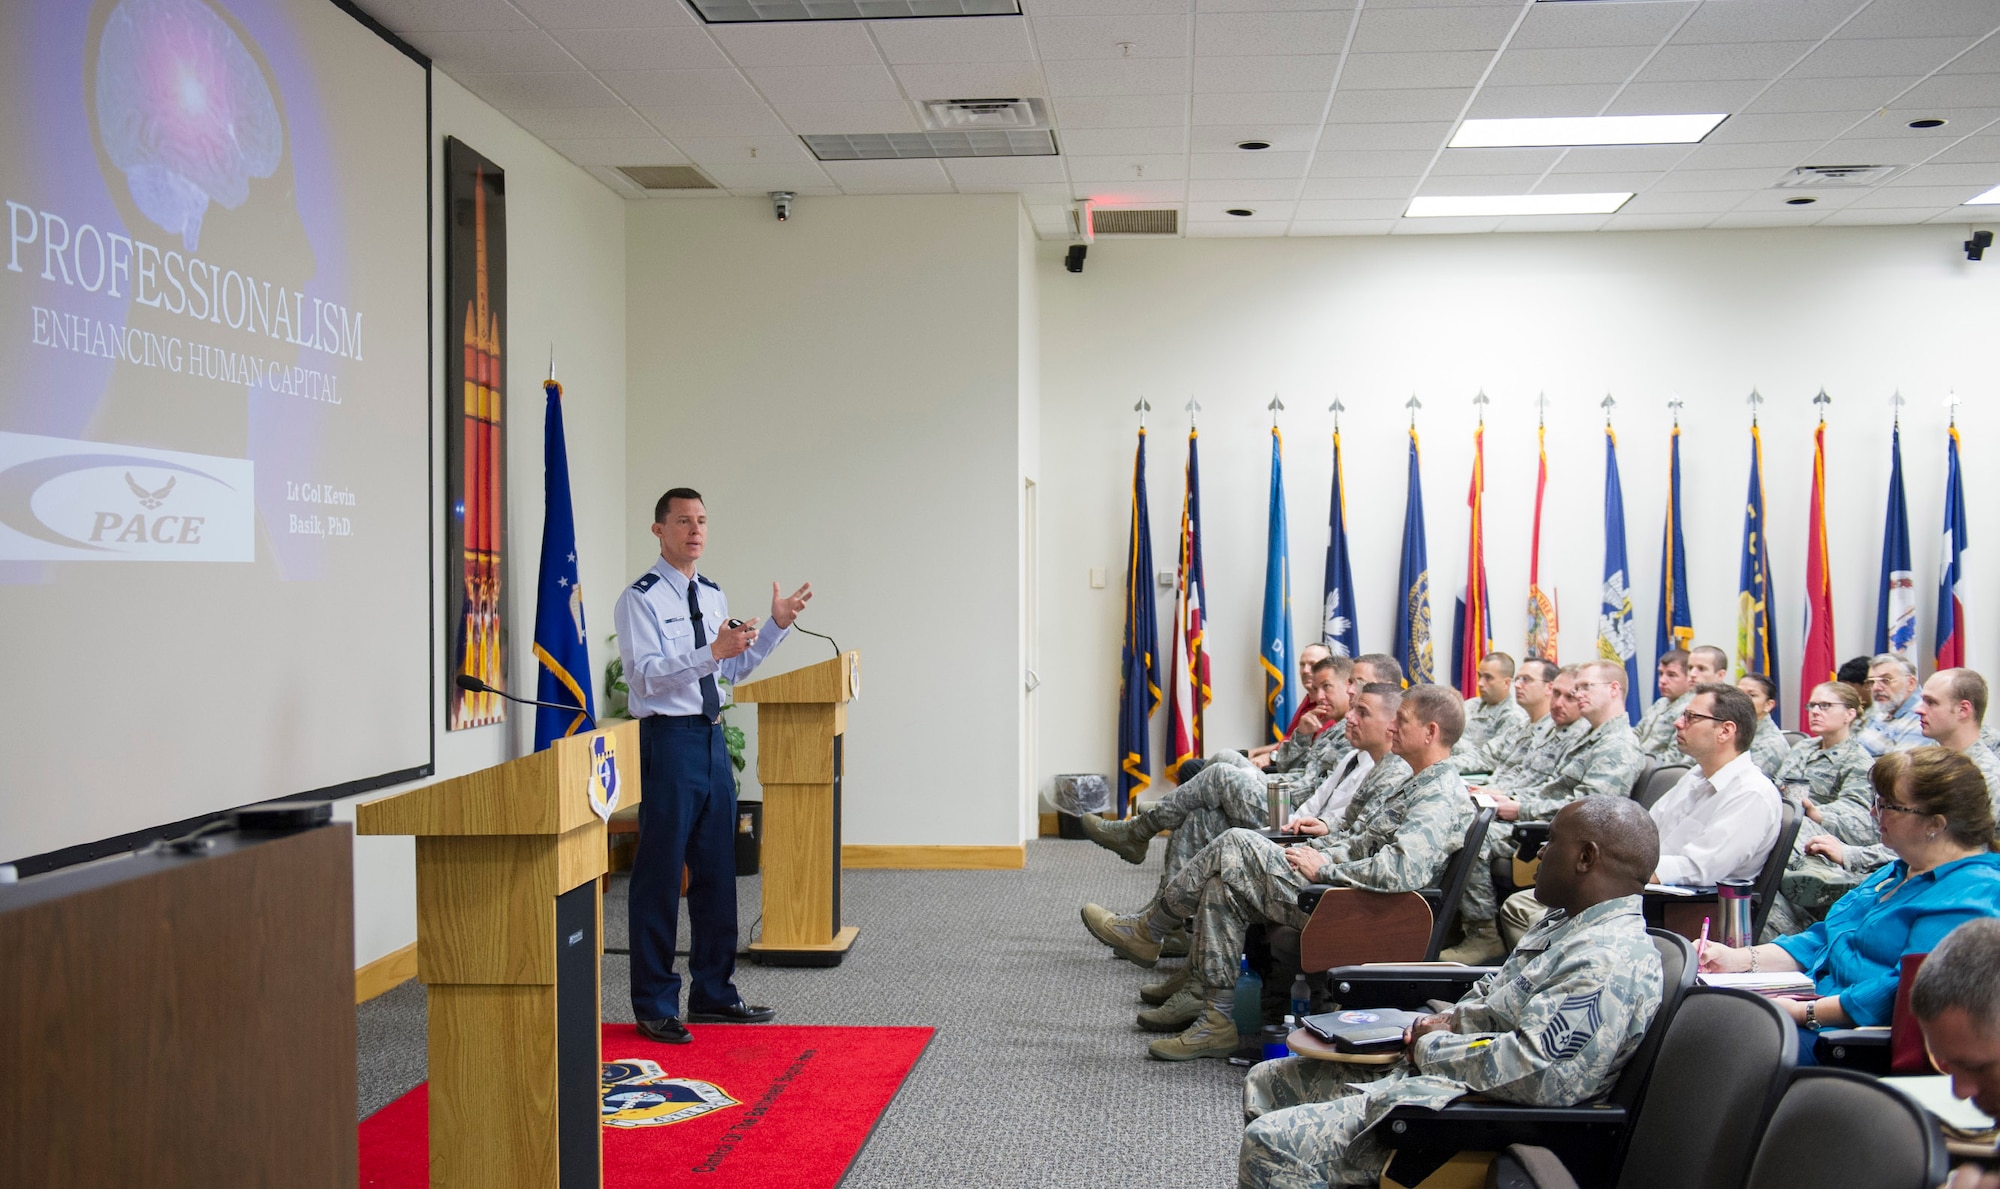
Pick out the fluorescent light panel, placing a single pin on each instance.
(1990, 198)
(1566, 131)
(729, 12)
(1453, 206)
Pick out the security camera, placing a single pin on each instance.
(1975, 248)
(1073, 261)
(781, 201)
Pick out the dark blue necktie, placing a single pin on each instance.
(711, 696)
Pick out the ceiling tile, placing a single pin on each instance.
(1953, 90)
(973, 80)
(1981, 176)
(1832, 94)
(581, 122)
(1503, 183)
(1912, 196)
(1782, 154)
(1622, 158)
(1247, 165)
(1626, 222)
(662, 88)
(1410, 30)
(573, 88)
(879, 116)
(1264, 211)
(423, 16)
(1152, 194)
(1051, 222)
(1267, 107)
(1280, 5)
(1367, 163)
(731, 119)
(778, 175)
(798, 43)
(1974, 149)
(1235, 229)
(1496, 161)
(1670, 202)
(1654, 99)
(1548, 223)
(1596, 183)
(1444, 226)
(1802, 125)
(1124, 76)
(983, 39)
(1105, 141)
(1797, 216)
(1760, 60)
(1887, 55)
(672, 48)
(1772, 20)
(1091, 38)
(1828, 198)
(1128, 168)
(1249, 34)
(826, 84)
(1283, 138)
(1120, 111)
(1004, 171)
(1507, 103)
(1959, 121)
(1384, 136)
(1558, 26)
(1303, 72)
(1457, 68)
(496, 52)
(1240, 190)
(1352, 208)
(1551, 67)
(1397, 188)
(1719, 179)
(1864, 217)
(1924, 18)
(1089, 8)
(1381, 107)
(1983, 58)
(1302, 228)
(1849, 150)
(1036, 191)
(620, 151)
(888, 177)
(708, 151)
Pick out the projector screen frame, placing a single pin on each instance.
(139, 839)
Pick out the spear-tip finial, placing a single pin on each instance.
(1193, 407)
(552, 361)
(1674, 405)
(1413, 404)
(1821, 402)
(1480, 402)
(1607, 404)
(1951, 402)
(1896, 403)
(1142, 408)
(1336, 408)
(1276, 406)
(1542, 407)
(1756, 398)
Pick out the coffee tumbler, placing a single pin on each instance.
(1734, 895)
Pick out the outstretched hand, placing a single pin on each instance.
(784, 610)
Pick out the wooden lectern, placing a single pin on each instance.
(509, 929)
(801, 725)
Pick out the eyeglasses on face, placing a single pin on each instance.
(1879, 806)
(1581, 686)
(1688, 715)
(1823, 707)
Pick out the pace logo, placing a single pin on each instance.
(638, 1093)
(64, 500)
(603, 776)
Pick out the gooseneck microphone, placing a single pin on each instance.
(471, 684)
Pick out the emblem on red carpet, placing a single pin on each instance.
(639, 1093)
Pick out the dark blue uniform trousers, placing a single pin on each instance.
(687, 816)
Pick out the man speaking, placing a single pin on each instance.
(675, 636)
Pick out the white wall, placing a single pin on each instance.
(1706, 315)
(844, 390)
(566, 286)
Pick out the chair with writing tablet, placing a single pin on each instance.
(1684, 912)
(1350, 925)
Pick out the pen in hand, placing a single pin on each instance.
(1701, 945)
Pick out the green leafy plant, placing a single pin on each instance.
(617, 702)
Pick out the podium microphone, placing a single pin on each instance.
(471, 684)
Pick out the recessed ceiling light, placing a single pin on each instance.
(1990, 198)
(1445, 206)
(1253, 145)
(1927, 123)
(1241, 212)
(1564, 131)
(1800, 201)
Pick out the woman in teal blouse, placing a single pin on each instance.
(1935, 814)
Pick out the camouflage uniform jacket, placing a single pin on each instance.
(1769, 747)
(1400, 840)
(1535, 763)
(1385, 777)
(1836, 780)
(1868, 858)
(1605, 762)
(1328, 748)
(1893, 730)
(1656, 729)
(1483, 723)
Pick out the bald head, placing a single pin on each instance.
(1623, 830)
(1599, 848)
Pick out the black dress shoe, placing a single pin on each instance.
(738, 1012)
(669, 1031)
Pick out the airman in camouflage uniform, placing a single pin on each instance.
(1835, 780)
(1494, 710)
(1769, 749)
(1604, 762)
(1655, 731)
(1553, 1027)
(1863, 859)
(1537, 753)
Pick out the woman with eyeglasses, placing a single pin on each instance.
(1827, 778)
(1934, 813)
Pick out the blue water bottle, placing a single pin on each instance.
(1249, 1009)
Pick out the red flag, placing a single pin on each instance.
(1188, 691)
(1475, 634)
(1819, 664)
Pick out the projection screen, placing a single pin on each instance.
(214, 417)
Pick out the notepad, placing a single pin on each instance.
(1670, 889)
(1933, 1093)
(1763, 982)
(1370, 1030)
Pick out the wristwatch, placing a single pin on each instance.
(1812, 1014)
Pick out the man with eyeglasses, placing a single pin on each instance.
(1718, 823)
(1656, 726)
(1893, 724)
(1494, 711)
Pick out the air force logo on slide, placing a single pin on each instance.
(603, 776)
(640, 1094)
(63, 500)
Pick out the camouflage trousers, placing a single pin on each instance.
(1236, 881)
(1304, 1125)
(1229, 792)
(1478, 904)
(1808, 888)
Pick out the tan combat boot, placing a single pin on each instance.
(1176, 944)
(1211, 1035)
(1182, 1009)
(1157, 993)
(1128, 935)
(1127, 839)
(1482, 946)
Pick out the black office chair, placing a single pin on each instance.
(1794, 738)
(1658, 783)
(1444, 899)
(1649, 786)
(1763, 892)
(1692, 1119)
(1886, 1141)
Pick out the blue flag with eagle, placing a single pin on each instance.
(1274, 654)
(1413, 582)
(562, 650)
(1617, 637)
(1337, 626)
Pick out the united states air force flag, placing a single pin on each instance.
(561, 647)
(1617, 640)
(1274, 654)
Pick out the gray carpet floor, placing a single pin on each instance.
(1037, 1075)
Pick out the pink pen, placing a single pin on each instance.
(1701, 946)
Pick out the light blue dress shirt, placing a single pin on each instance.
(1898, 730)
(663, 668)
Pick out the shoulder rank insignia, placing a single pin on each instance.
(646, 582)
(703, 579)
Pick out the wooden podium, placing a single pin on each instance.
(509, 933)
(801, 725)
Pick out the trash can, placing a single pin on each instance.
(749, 836)
(1076, 794)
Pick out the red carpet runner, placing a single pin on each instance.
(746, 1106)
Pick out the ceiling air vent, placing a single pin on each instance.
(904, 146)
(955, 114)
(1815, 176)
(1167, 222)
(667, 177)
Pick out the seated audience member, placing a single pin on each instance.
(1494, 710)
(1956, 1000)
(1827, 777)
(1399, 842)
(1551, 1027)
(1719, 822)
(1707, 663)
(1938, 820)
(1291, 749)
(1525, 756)
(1656, 726)
(1769, 748)
(1333, 692)
(1892, 725)
(1854, 671)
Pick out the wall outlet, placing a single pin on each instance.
(1165, 579)
(1097, 577)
